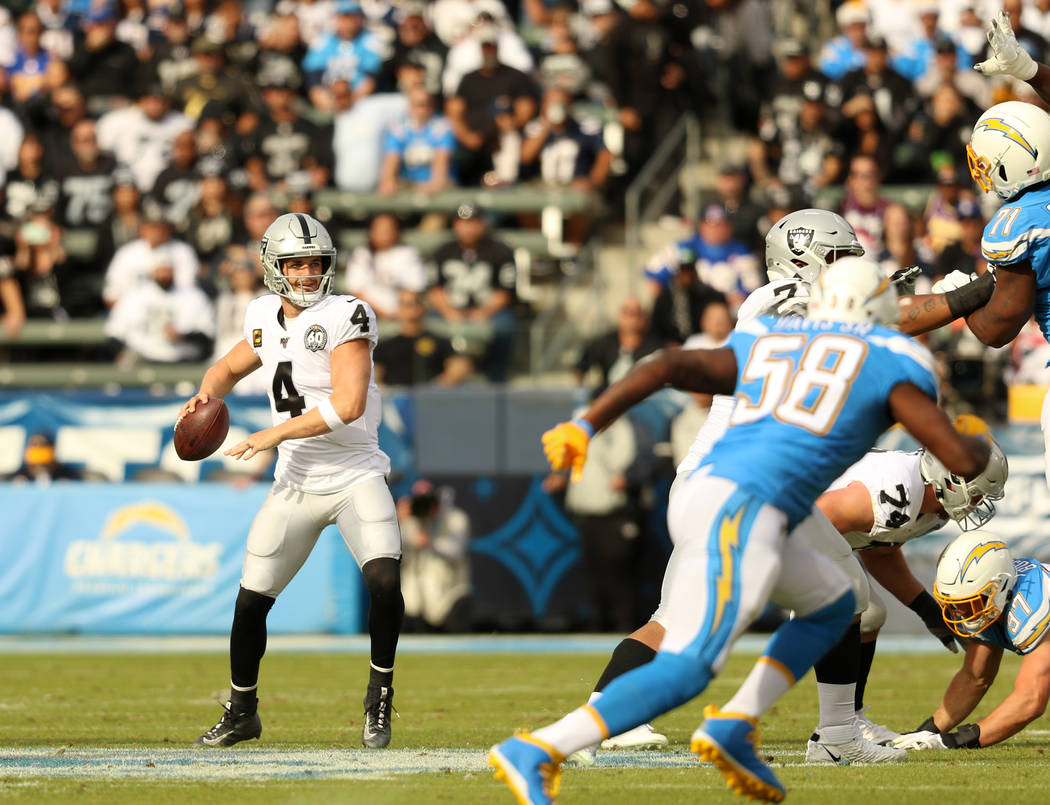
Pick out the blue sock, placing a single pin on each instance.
(800, 642)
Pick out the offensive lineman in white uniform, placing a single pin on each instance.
(317, 348)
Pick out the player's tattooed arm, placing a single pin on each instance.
(920, 313)
(710, 371)
(1010, 307)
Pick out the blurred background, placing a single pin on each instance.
(531, 194)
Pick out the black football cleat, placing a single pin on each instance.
(379, 702)
(232, 728)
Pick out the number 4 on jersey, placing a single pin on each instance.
(360, 318)
(286, 397)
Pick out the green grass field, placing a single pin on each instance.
(145, 709)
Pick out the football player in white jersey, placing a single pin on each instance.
(317, 348)
(996, 602)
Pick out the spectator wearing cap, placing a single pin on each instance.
(964, 254)
(487, 112)
(845, 52)
(467, 55)
(104, 68)
(34, 71)
(896, 101)
(170, 58)
(795, 79)
(160, 321)
(39, 464)
(383, 267)
(804, 159)
(415, 44)
(475, 281)
(416, 355)
(914, 59)
(285, 142)
(417, 151)
(211, 83)
(732, 191)
(350, 53)
(864, 205)
(141, 135)
(133, 262)
(944, 69)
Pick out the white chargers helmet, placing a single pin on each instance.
(975, 574)
(297, 235)
(854, 290)
(804, 243)
(1009, 148)
(969, 503)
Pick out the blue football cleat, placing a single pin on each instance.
(729, 742)
(530, 768)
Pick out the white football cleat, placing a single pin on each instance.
(876, 733)
(583, 757)
(851, 750)
(641, 737)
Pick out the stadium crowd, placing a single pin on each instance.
(146, 145)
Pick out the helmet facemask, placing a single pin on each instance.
(971, 503)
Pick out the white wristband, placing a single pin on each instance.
(328, 414)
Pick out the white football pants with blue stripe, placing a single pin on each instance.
(732, 557)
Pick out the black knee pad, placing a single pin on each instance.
(252, 605)
(382, 576)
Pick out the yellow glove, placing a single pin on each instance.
(970, 425)
(565, 446)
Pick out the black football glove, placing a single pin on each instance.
(926, 608)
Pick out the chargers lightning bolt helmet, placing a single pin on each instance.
(804, 243)
(975, 575)
(854, 290)
(969, 503)
(296, 235)
(1009, 148)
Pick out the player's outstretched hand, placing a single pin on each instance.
(955, 279)
(923, 739)
(1008, 57)
(254, 444)
(904, 279)
(565, 446)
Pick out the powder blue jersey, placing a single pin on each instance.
(1027, 615)
(1020, 231)
(811, 399)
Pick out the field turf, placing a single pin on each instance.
(105, 728)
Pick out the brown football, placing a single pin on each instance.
(199, 434)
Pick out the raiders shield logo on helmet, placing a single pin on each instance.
(799, 239)
(315, 337)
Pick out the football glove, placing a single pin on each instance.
(1008, 57)
(955, 279)
(904, 279)
(565, 446)
(930, 611)
(923, 739)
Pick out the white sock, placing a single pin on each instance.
(767, 682)
(577, 730)
(594, 697)
(836, 704)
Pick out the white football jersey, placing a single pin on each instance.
(896, 488)
(764, 301)
(296, 356)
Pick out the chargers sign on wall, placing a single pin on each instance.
(153, 559)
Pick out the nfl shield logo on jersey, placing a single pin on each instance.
(315, 338)
(799, 239)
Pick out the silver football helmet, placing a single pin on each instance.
(804, 243)
(297, 235)
(970, 503)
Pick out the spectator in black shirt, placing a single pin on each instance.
(84, 175)
(896, 100)
(487, 113)
(615, 352)
(475, 281)
(213, 81)
(40, 465)
(679, 309)
(416, 44)
(105, 68)
(56, 122)
(28, 183)
(212, 226)
(177, 186)
(415, 356)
